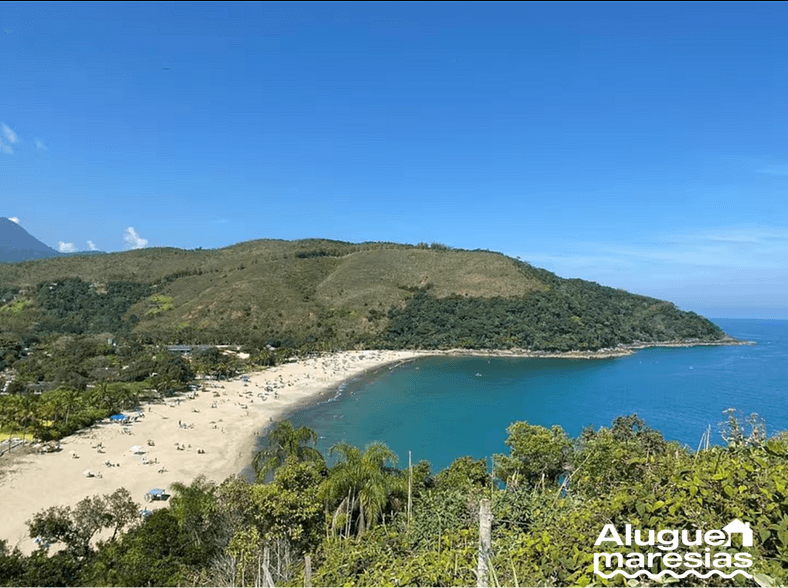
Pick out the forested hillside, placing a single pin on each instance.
(329, 295)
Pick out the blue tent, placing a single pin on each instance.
(118, 418)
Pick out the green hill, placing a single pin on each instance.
(331, 294)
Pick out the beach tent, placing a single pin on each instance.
(138, 450)
(155, 494)
(117, 418)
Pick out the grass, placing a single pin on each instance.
(7, 434)
(161, 304)
(16, 307)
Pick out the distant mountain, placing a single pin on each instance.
(16, 244)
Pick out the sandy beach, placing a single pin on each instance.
(213, 431)
(214, 434)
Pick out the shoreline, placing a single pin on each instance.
(213, 432)
(621, 350)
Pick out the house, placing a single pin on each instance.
(736, 526)
(185, 349)
(179, 348)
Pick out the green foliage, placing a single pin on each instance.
(160, 303)
(82, 379)
(289, 508)
(12, 566)
(7, 293)
(285, 442)
(156, 553)
(11, 349)
(75, 306)
(572, 315)
(464, 473)
(387, 558)
(318, 253)
(196, 509)
(75, 528)
(542, 534)
(538, 455)
(213, 362)
(362, 487)
(16, 307)
(741, 432)
(616, 456)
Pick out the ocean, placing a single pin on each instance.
(441, 408)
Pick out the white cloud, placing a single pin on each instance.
(133, 239)
(14, 219)
(40, 145)
(92, 246)
(9, 135)
(8, 139)
(66, 247)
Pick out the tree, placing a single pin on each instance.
(70, 398)
(362, 485)
(26, 411)
(464, 472)
(195, 508)
(12, 566)
(155, 553)
(76, 527)
(619, 455)
(290, 508)
(285, 441)
(538, 455)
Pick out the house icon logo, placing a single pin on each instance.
(736, 526)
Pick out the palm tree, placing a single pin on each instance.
(362, 483)
(70, 397)
(284, 441)
(6, 412)
(26, 412)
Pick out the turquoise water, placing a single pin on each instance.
(445, 407)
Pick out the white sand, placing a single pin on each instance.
(223, 420)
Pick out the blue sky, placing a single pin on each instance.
(643, 146)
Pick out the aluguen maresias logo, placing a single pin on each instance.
(674, 552)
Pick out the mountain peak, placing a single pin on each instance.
(16, 244)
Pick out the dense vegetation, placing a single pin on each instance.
(74, 306)
(321, 295)
(69, 382)
(572, 316)
(81, 380)
(551, 495)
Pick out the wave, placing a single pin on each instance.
(671, 573)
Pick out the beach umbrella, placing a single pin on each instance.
(137, 450)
